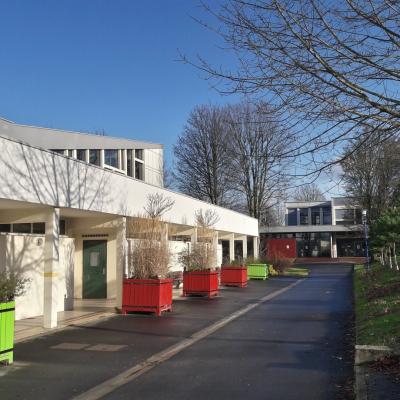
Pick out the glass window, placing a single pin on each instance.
(292, 216)
(59, 151)
(5, 227)
(94, 157)
(139, 170)
(62, 226)
(38, 227)
(69, 153)
(326, 216)
(21, 228)
(344, 215)
(139, 154)
(304, 216)
(81, 154)
(111, 158)
(129, 162)
(315, 216)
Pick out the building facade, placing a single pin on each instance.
(320, 229)
(66, 201)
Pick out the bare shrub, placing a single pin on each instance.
(149, 254)
(200, 257)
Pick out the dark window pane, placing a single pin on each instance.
(304, 216)
(139, 171)
(59, 151)
(327, 216)
(81, 154)
(111, 158)
(38, 227)
(62, 227)
(5, 227)
(292, 216)
(139, 154)
(94, 157)
(315, 216)
(345, 214)
(129, 162)
(22, 228)
(69, 153)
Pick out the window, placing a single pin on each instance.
(70, 153)
(139, 170)
(292, 216)
(344, 216)
(94, 157)
(21, 228)
(129, 162)
(326, 216)
(111, 158)
(139, 154)
(5, 227)
(59, 151)
(81, 154)
(38, 227)
(304, 216)
(315, 216)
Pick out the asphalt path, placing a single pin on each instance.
(296, 345)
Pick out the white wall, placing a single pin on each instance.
(38, 176)
(24, 253)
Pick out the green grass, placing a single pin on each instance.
(377, 305)
(295, 271)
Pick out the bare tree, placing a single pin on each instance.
(256, 145)
(371, 174)
(330, 67)
(309, 192)
(203, 157)
(157, 205)
(206, 219)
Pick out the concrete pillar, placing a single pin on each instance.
(245, 248)
(51, 267)
(121, 267)
(125, 161)
(215, 247)
(232, 247)
(87, 155)
(255, 246)
(102, 158)
(333, 246)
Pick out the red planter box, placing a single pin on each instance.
(200, 283)
(151, 295)
(234, 276)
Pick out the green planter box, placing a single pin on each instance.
(7, 315)
(257, 271)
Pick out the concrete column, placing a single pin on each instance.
(232, 247)
(51, 267)
(121, 267)
(125, 161)
(215, 247)
(255, 246)
(87, 155)
(245, 248)
(102, 158)
(333, 246)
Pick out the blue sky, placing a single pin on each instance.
(94, 65)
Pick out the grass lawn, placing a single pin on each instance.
(377, 305)
(295, 271)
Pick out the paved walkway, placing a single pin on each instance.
(295, 345)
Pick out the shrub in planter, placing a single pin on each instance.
(11, 286)
(234, 274)
(281, 263)
(200, 276)
(147, 287)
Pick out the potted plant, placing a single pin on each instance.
(200, 276)
(257, 269)
(11, 286)
(234, 274)
(147, 287)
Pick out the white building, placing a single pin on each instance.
(65, 198)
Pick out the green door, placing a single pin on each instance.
(95, 269)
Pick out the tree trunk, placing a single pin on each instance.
(390, 258)
(395, 256)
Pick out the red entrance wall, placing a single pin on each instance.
(285, 248)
